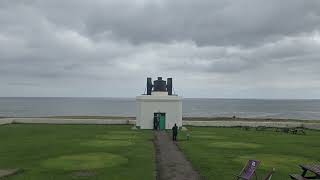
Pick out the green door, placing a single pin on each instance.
(162, 121)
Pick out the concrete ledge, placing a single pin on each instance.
(133, 122)
(68, 121)
(221, 123)
(5, 121)
(253, 124)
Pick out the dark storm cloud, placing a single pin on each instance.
(104, 47)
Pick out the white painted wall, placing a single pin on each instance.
(147, 105)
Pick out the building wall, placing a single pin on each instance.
(148, 105)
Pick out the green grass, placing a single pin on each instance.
(219, 153)
(119, 153)
(64, 151)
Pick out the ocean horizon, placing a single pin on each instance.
(306, 109)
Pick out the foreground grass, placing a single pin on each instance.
(77, 152)
(220, 153)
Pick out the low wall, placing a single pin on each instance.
(68, 121)
(253, 124)
(216, 123)
(5, 121)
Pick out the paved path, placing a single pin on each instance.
(171, 162)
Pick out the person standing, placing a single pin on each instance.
(158, 122)
(174, 132)
(155, 123)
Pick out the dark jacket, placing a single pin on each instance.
(175, 130)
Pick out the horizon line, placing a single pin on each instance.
(117, 97)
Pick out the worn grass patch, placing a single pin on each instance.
(85, 173)
(107, 143)
(132, 132)
(121, 135)
(87, 161)
(233, 145)
(208, 136)
(116, 137)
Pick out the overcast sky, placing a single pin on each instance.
(211, 48)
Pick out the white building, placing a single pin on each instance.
(159, 108)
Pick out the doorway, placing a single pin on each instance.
(160, 121)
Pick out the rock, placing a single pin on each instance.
(184, 128)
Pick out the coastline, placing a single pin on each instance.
(187, 121)
(183, 118)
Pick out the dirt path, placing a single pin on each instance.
(171, 162)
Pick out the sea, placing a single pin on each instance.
(192, 107)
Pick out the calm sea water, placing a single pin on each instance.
(32, 107)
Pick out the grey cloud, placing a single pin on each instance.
(22, 84)
(297, 52)
(245, 45)
(208, 22)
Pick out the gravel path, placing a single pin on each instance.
(171, 162)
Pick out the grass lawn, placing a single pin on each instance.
(77, 152)
(219, 153)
